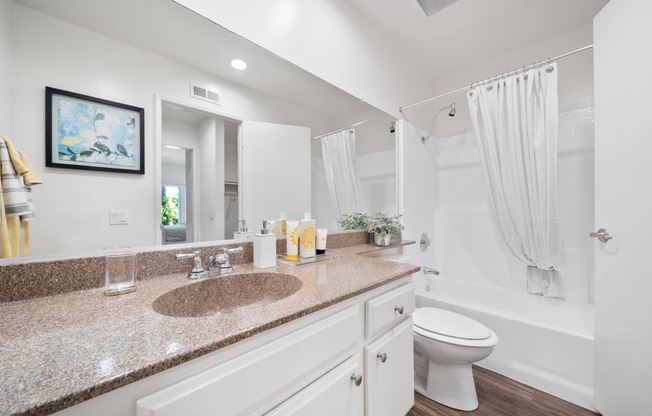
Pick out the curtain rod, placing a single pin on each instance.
(514, 71)
(350, 126)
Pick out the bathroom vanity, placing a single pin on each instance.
(341, 344)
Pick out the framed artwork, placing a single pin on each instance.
(83, 132)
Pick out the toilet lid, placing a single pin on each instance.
(450, 324)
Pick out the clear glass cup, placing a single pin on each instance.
(120, 273)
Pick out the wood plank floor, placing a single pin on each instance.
(502, 396)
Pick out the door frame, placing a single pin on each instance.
(159, 101)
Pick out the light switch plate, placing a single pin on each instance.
(118, 217)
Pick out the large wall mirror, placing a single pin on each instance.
(247, 153)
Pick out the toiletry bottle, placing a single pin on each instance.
(243, 231)
(264, 248)
(292, 240)
(322, 233)
(281, 225)
(307, 232)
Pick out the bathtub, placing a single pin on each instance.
(544, 343)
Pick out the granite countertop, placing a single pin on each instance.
(60, 350)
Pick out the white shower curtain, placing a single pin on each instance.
(515, 121)
(344, 185)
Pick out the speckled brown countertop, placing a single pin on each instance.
(60, 350)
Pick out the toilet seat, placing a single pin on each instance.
(452, 328)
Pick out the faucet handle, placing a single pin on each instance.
(197, 271)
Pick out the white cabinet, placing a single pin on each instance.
(249, 383)
(340, 392)
(304, 367)
(389, 370)
(388, 309)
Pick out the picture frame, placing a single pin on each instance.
(90, 133)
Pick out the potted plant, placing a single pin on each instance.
(383, 226)
(354, 221)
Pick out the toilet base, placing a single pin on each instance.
(450, 385)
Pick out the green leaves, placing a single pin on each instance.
(99, 116)
(122, 150)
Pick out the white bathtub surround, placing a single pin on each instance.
(515, 120)
(338, 150)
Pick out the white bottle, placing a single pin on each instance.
(243, 231)
(307, 236)
(264, 248)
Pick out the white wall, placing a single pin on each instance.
(174, 173)
(7, 69)
(329, 38)
(49, 52)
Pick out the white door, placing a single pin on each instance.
(623, 174)
(275, 172)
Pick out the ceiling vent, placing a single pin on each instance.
(431, 7)
(205, 94)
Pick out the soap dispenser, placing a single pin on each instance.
(265, 248)
(243, 231)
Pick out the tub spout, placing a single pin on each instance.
(429, 270)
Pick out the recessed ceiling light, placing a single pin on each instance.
(239, 64)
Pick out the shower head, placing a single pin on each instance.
(451, 113)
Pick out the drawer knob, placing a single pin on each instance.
(382, 356)
(399, 309)
(357, 379)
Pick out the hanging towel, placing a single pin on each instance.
(16, 207)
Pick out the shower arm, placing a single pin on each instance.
(434, 120)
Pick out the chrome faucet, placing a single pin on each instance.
(430, 270)
(224, 261)
(198, 271)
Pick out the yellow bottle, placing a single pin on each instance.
(308, 235)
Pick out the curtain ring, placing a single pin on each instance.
(490, 87)
(550, 69)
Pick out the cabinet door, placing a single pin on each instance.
(336, 393)
(390, 384)
(261, 378)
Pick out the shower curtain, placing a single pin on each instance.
(344, 185)
(515, 121)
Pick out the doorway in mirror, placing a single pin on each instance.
(199, 175)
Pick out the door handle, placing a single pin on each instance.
(602, 235)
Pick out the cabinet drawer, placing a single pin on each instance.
(389, 367)
(269, 374)
(385, 310)
(334, 394)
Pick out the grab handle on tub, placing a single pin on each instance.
(429, 270)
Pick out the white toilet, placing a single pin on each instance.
(445, 345)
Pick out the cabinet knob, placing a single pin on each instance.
(357, 379)
(399, 309)
(382, 356)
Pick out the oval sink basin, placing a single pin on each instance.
(225, 294)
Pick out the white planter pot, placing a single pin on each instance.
(382, 240)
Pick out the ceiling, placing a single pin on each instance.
(471, 32)
(172, 31)
(463, 36)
